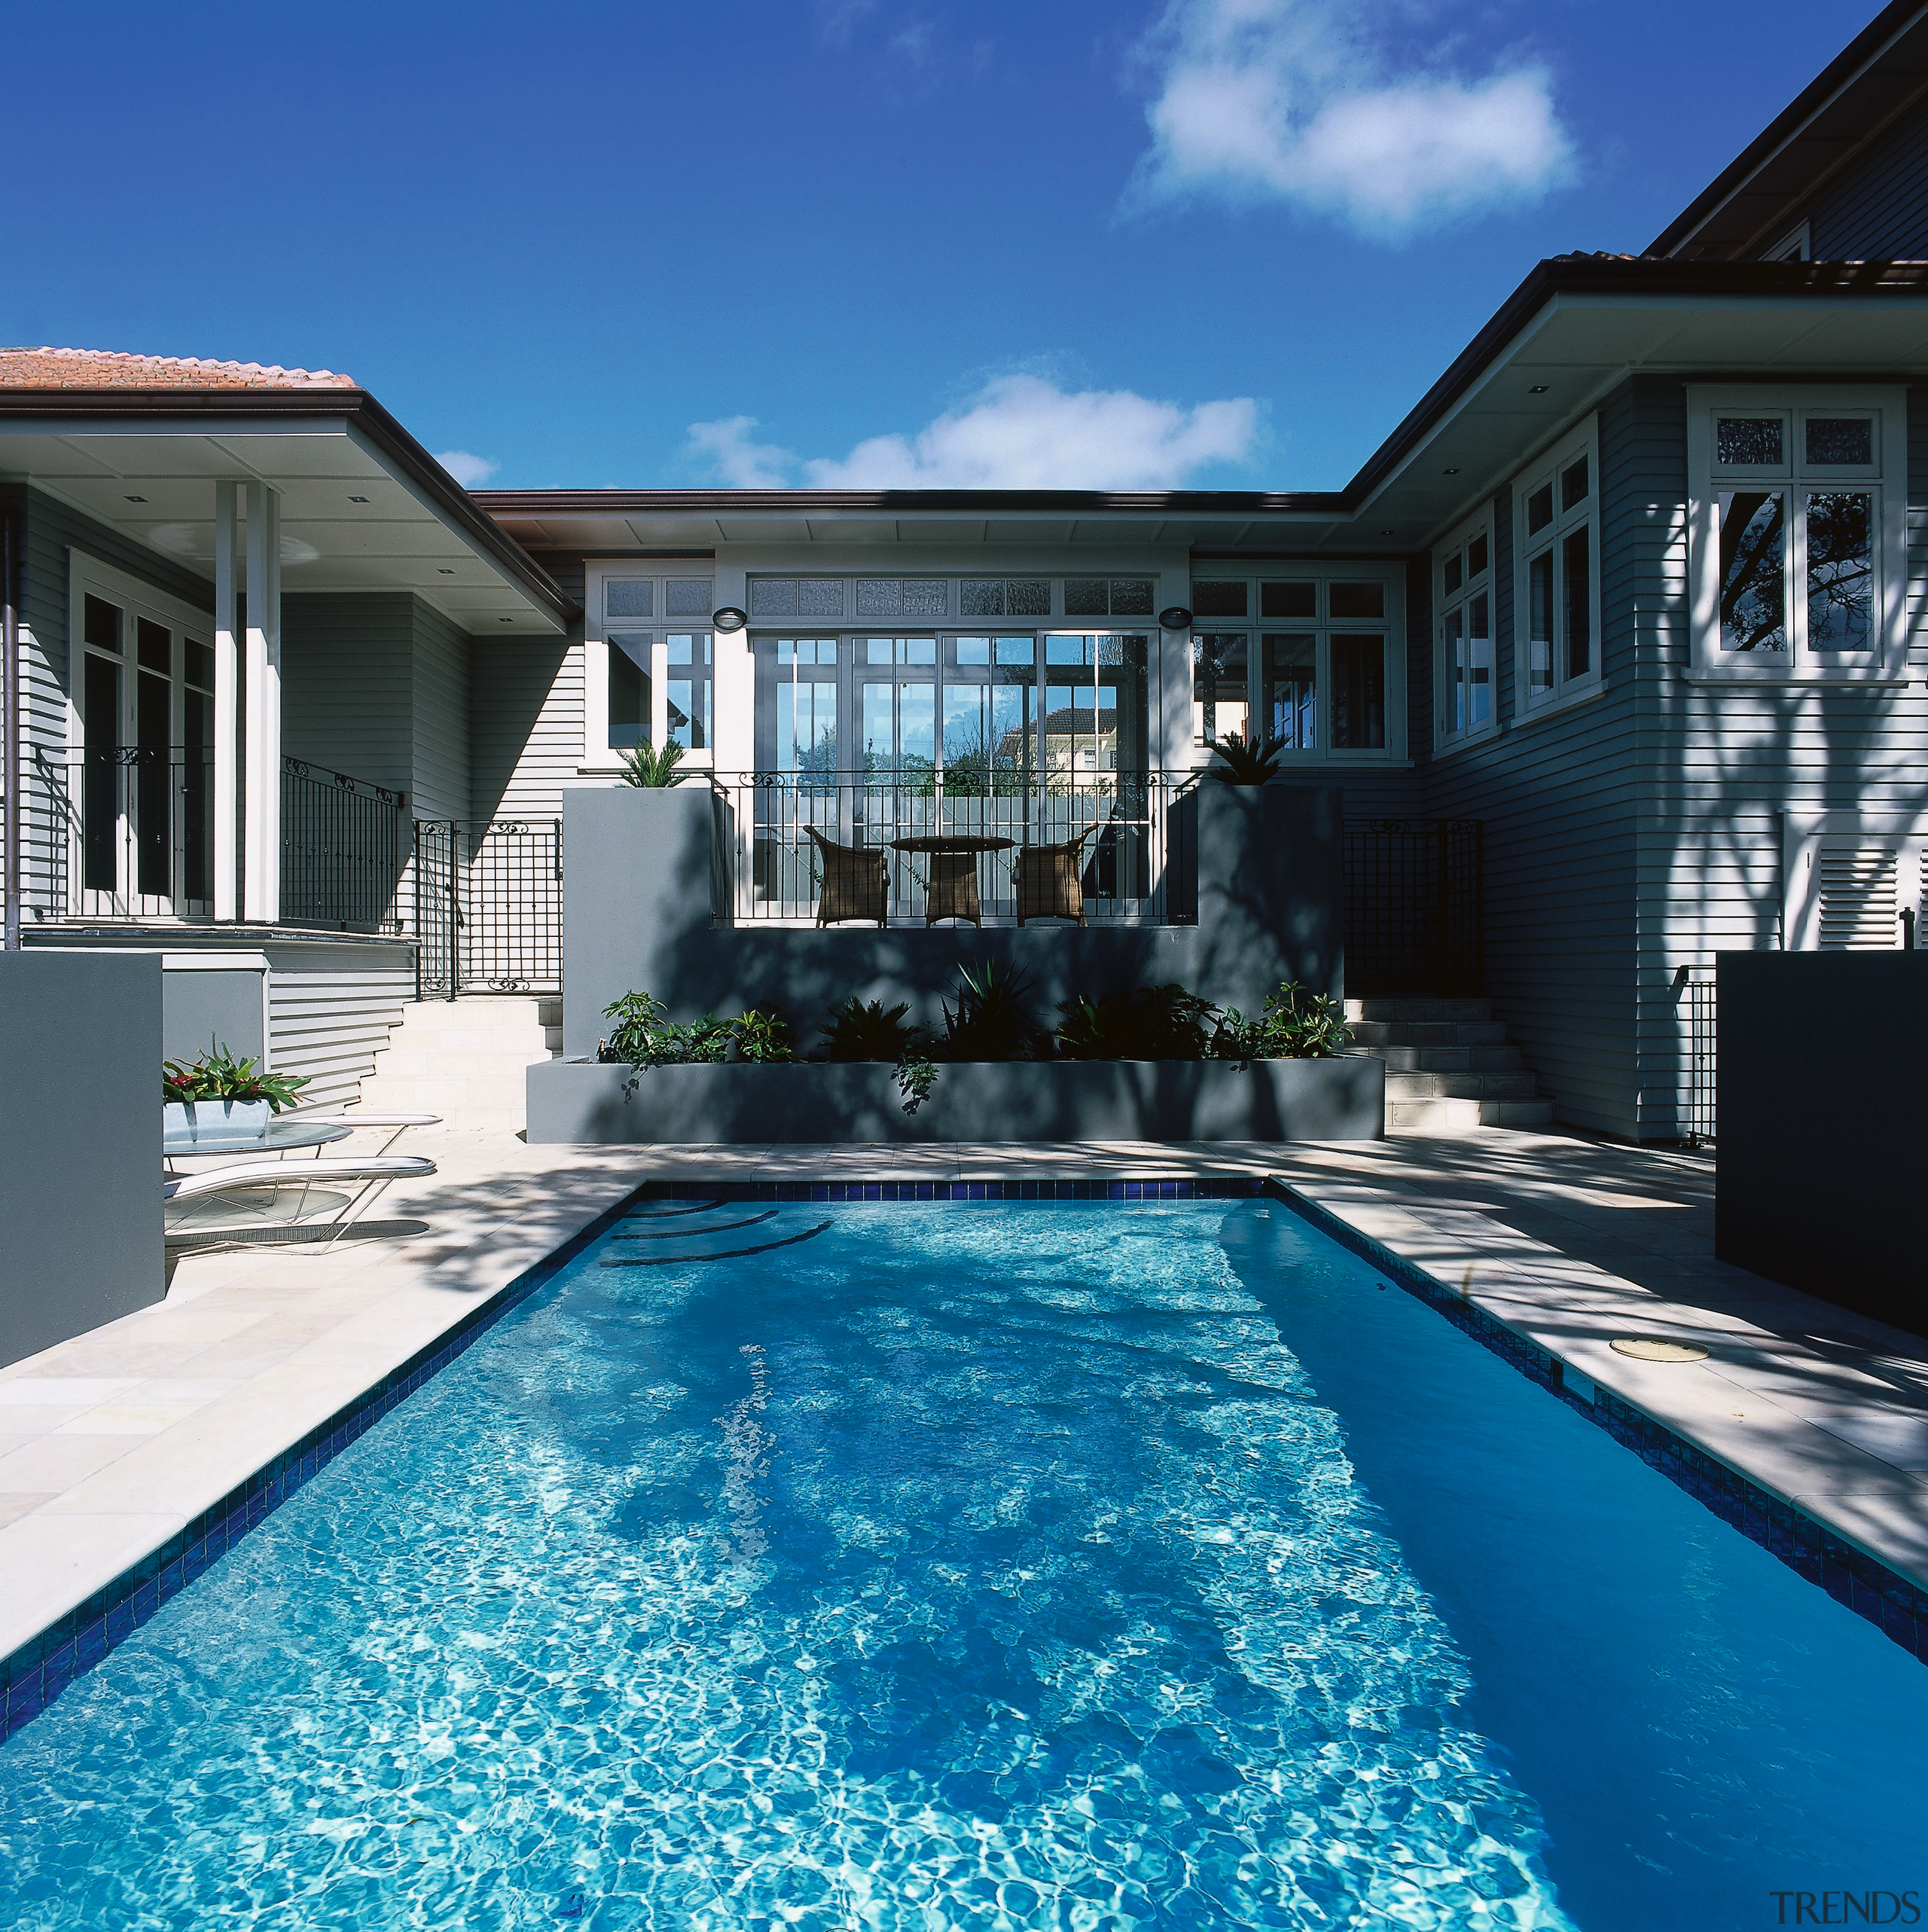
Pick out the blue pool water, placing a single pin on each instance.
(1079, 1565)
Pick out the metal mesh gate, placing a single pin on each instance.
(1413, 907)
(488, 906)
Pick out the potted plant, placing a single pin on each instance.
(218, 1094)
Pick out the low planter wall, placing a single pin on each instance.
(584, 1102)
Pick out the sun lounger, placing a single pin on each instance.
(302, 1178)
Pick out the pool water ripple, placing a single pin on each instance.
(997, 1567)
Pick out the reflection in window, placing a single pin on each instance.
(990, 718)
(629, 689)
(1841, 569)
(1469, 658)
(1540, 624)
(1749, 442)
(1287, 600)
(1753, 570)
(1218, 688)
(1573, 484)
(1540, 509)
(1218, 596)
(1576, 581)
(687, 685)
(1291, 691)
(1359, 693)
(1845, 440)
(796, 705)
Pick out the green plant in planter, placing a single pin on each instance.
(763, 1035)
(1296, 1023)
(644, 1035)
(219, 1075)
(860, 1032)
(1155, 1023)
(1243, 760)
(991, 1019)
(651, 769)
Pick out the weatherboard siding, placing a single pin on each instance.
(347, 679)
(329, 1012)
(440, 701)
(1876, 210)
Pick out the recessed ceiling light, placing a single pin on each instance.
(137, 499)
(505, 620)
(1538, 388)
(358, 499)
(441, 571)
(1388, 533)
(1454, 472)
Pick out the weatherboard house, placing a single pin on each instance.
(1611, 647)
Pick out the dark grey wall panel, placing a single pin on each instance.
(1878, 210)
(80, 1143)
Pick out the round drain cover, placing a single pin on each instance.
(1651, 1348)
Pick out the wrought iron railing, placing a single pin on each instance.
(344, 848)
(1693, 996)
(1413, 907)
(129, 833)
(487, 907)
(1135, 867)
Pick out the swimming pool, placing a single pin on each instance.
(1071, 1564)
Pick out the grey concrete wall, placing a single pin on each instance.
(223, 1004)
(580, 1102)
(1822, 1060)
(80, 1143)
(644, 873)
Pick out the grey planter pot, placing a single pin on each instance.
(583, 1103)
(188, 1120)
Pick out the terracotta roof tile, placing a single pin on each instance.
(106, 369)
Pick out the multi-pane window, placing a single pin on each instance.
(1556, 586)
(1264, 649)
(658, 678)
(1462, 595)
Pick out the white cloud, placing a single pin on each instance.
(469, 470)
(1019, 431)
(1297, 100)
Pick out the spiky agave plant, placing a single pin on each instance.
(1243, 760)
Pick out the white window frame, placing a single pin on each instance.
(1447, 734)
(599, 758)
(1794, 245)
(1803, 837)
(1581, 440)
(1254, 628)
(1886, 663)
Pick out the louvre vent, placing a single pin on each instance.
(1860, 898)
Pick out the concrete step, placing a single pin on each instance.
(1518, 1085)
(410, 1060)
(1429, 1033)
(1447, 1059)
(1371, 1007)
(1458, 1116)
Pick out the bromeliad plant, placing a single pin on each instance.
(218, 1075)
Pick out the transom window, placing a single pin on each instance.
(1556, 581)
(655, 681)
(1313, 668)
(1798, 497)
(1462, 595)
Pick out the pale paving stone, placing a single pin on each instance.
(57, 1465)
(129, 1418)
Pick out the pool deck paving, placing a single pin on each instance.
(111, 1442)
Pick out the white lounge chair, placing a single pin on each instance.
(399, 1122)
(301, 1178)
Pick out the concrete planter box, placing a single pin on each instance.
(583, 1103)
(188, 1120)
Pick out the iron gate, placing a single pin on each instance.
(488, 906)
(1413, 907)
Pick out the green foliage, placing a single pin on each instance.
(1243, 760)
(645, 1036)
(763, 1035)
(653, 769)
(917, 1074)
(860, 1032)
(1295, 1024)
(219, 1075)
(1155, 1023)
(991, 1019)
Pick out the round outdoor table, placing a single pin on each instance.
(952, 893)
(281, 1135)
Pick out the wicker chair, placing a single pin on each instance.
(1048, 880)
(856, 882)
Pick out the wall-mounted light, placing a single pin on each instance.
(1176, 618)
(358, 499)
(728, 618)
(1538, 388)
(137, 499)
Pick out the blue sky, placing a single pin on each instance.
(1211, 243)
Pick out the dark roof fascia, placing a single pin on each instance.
(1849, 66)
(355, 408)
(1636, 280)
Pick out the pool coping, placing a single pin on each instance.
(36, 1672)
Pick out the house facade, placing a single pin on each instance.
(1628, 602)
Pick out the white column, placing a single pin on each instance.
(224, 696)
(261, 860)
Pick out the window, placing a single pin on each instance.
(1462, 595)
(650, 671)
(1556, 579)
(1329, 630)
(1798, 498)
